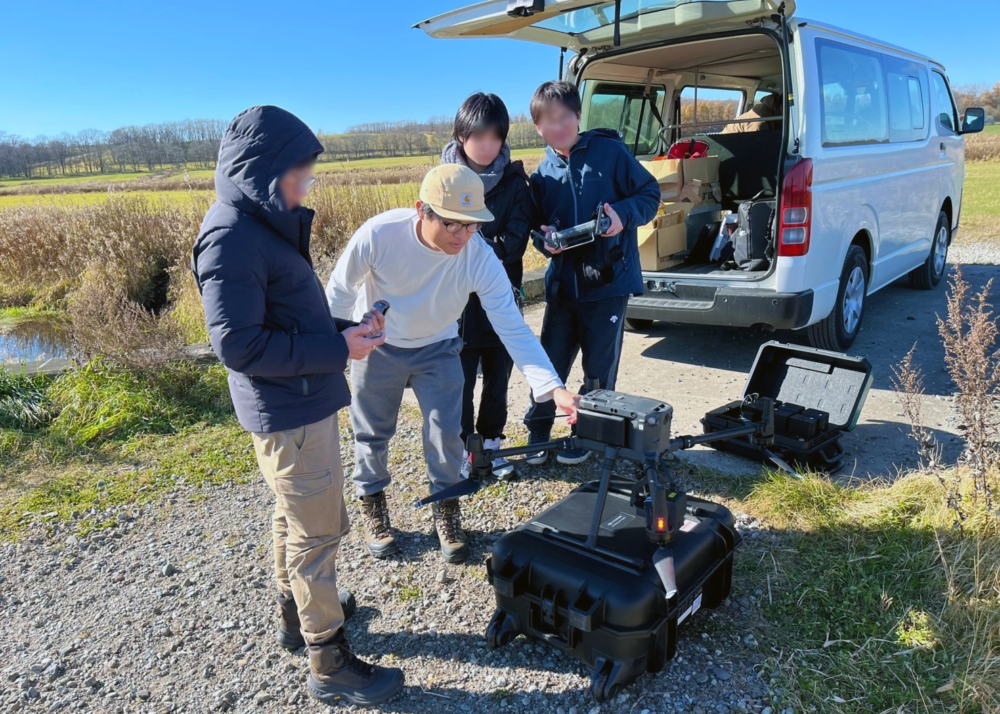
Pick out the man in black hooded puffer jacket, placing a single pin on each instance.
(269, 324)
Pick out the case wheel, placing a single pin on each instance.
(500, 631)
(603, 684)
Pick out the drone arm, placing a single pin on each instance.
(567, 443)
(690, 441)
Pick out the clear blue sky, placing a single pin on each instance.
(71, 65)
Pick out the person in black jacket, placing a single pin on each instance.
(269, 324)
(480, 142)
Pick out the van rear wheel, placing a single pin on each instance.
(928, 275)
(839, 330)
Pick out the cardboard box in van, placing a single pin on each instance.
(664, 237)
(705, 169)
(669, 174)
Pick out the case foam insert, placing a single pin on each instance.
(811, 384)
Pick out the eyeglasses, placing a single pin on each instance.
(454, 227)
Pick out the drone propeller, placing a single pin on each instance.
(465, 487)
(663, 561)
(781, 464)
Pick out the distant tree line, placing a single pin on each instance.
(181, 145)
(153, 147)
(178, 146)
(410, 138)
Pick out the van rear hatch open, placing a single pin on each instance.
(585, 24)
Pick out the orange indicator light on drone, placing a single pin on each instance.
(661, 524)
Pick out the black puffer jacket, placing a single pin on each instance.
(267, 314)
(510, 203)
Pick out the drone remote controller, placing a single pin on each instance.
(577, 235)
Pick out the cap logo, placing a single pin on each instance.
(466, 200)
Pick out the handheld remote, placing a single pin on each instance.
(383, 307)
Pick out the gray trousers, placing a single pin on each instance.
(377, 383)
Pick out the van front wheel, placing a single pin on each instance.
(928, 275)
(839, 330)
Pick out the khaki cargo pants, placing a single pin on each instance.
(303, 468)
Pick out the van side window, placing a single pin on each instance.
(909, 102)
(621, 107)
(943, 103)
(854, 98)
(715, 107)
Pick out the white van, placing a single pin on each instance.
(864, 155)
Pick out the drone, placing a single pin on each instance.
(637, 429)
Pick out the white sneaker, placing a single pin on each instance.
(466, 465)
(502, 468)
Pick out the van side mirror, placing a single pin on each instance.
(974, 120)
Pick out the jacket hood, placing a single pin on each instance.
(259, 147)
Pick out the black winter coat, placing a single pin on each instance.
(510, 203)
(267, 314)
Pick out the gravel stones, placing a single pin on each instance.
(171, 608)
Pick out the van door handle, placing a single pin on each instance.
(943, 147)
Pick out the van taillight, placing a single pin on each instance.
(796, 210)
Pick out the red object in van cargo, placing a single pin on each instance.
(796, 210)
(690, 149)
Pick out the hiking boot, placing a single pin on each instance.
(379, 539)
(573, 456)
(289, 626)
(538, 437)
(336, 674)
(448, 523)
(502, 468)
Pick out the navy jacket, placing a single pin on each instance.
(267, 315)
(599, 169)
(510, 203)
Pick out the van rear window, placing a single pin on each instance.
(855, 109)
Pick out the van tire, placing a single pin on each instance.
(928, 275)
(636, 324)
(832, 333)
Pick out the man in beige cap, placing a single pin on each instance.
(425, 263)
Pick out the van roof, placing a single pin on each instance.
(851, 34)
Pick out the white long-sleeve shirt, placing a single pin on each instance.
(427, 291)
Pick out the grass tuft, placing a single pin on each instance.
(103, 402)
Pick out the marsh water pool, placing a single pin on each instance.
(32, 337)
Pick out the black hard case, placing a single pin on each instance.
(817, 381)
(607, 608)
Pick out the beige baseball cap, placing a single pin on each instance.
(455, 192)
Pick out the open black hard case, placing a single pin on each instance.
(607, 606)
(821, 382)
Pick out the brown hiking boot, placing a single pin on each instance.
(379, 539)
(448, 523)
(336, 674)
(289, 626)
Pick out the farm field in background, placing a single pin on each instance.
(203, 173)
(171, 198)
